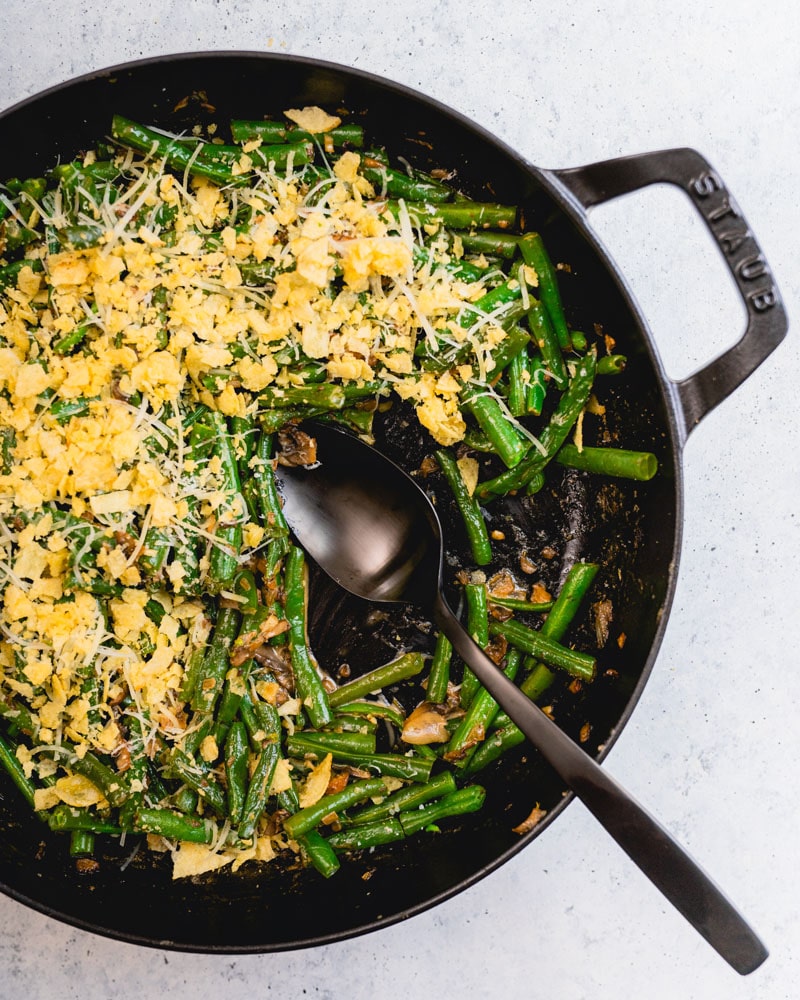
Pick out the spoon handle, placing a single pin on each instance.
(643, 838)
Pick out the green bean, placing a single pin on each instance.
(406, 798)
(611, 364)
(474, 523)
(478, 627)
(389, 765)
(272, 420)
(179, 156)
(81, 843)
(552, 437)
(518, 604)
(174, 825)
(15, 236)
(211, 675)
(400, 185)
(157, 546)
(475, 439)
(136, 775)
(307, 679)
(324, 395)
(80, 237)
(536, 256)
(498, 244)
(475, 724)
(580, 665)
(8, 442)
(269, 500)
(258, 790)
(320, 853)
(504, 304)
(357, 420)
(370, 708)
(107, 780)
(355, 743)
(191, 674)
(224, 557)
(345, 722)
(538, 680)
(257, 273)
(439, 674)
(545, 338)
(269, 131)
(71, 340)
(233, 690)
(640, 465)
(191, 741)
(572, 593)
(536, 389)
(405, 666)
(9, 274)
(495, 746)
(65, 409)
(277, 156)
(197, 778)
(515, 340)
(185, 800)
(375, 834)
(517, 372)
(310, 817)
(67, 818)
(458, 214)
(507, 441)
(12, 766)
(459, 803)
(579, 341)
(236, 761)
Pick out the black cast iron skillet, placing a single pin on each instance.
(633, 531)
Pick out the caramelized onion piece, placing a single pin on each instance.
(535, 817)
(296, 447)
(247, 644)
(425, 725)
(603, 616)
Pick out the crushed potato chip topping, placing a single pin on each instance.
(193, 295)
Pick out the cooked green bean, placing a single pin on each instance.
(439, 675)
(409, 797)
(535, 255)
(641, 465)
(405, 666)
(310, 817)
(474, 523)
(578, 664)
(307, 679)
(475, 595)
(177, 304)
(551, 438)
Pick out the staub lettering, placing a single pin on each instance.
(706, 184)
(752, 268)
(762, 301)
(735, 241)
(725, 209)
(730, 242)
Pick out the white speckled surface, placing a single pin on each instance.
(713, 745)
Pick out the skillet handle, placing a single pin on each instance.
(766, 318)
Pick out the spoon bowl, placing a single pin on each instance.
(375, 532)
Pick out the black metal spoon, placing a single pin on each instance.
(374, 531)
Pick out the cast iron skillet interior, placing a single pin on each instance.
(632, 530)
